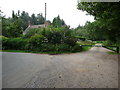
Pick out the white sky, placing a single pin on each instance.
(67, 9)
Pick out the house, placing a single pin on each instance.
(30, 26)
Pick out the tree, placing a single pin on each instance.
(13, 14)
(33, 19)
(40, 19)
(11, 27)
(25, 19)
(107, 13)
(57, 22)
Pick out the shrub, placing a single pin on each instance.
(63, 48)
(59, 48)
(56, 37)
(36, 41)
(14, 43)
(3, 42)
(49, 39)
(70, 41)
(53, 36)
(107, 43)
(76, 48)
(30, 33)
(45, 47)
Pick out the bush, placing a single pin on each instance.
(63, 48)
(76, 48)
(51, 39)
(53, 36)
(45, 47)
(14, 43)
(3, 42)
(36, 41)
(37, 44)
(54, 48)
(107, 43)
(70, 41)
(58, 48)
(56, 37)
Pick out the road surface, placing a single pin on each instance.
(91, 69)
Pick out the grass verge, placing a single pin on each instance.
(85, 43)
(112, 52)
(19, 51)
(86, 48)
(51, 53)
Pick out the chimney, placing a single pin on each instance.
(29, 23)
(45, 15)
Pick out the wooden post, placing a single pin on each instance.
(117, 49)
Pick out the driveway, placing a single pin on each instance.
(91, 69)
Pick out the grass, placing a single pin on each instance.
(86, 48)
(112, 48)
(112, 52)
(85, 43)
(20, 51)
(99, 41)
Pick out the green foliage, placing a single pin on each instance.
(112, 53)
(36, 41)
(51, 40)
(53, 35)
(63, 48)
(25, 19)
(33, 19)
(30, 33)
(45, 47)
(91, 31)
(3, 41)
(58, 48)
(19, 51)
(57, 38)
(77, 48)
(86, 48)
(85, 43)
(107, 43)
(14, 26)
(11, 28)
(70, 40)
(14, 43)
(57, 22)
(107, 14)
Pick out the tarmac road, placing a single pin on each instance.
(91, 69)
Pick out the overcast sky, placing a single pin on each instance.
(67, 9)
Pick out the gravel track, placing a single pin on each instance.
(91, 69)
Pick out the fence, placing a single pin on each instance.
(113, 48)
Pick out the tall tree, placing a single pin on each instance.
(107, 13)
(25, 19)
(40, 19)
(33, 19)
(11, 27)
(57, 22)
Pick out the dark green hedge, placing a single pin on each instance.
(37, 43)
(15, 43)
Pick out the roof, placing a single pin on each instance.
(32, 26)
